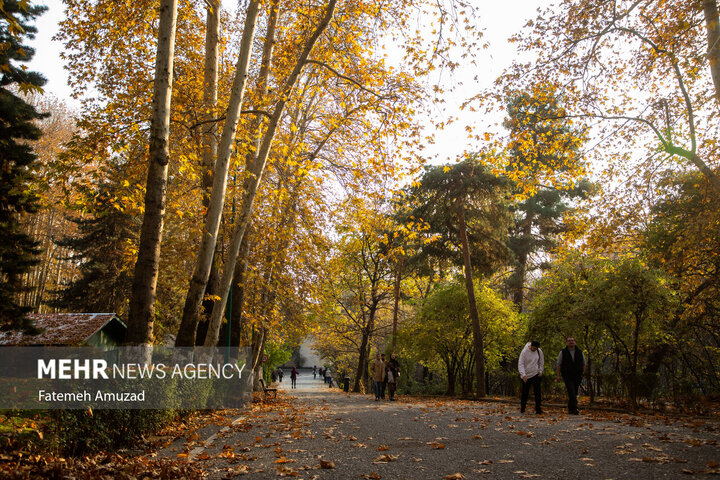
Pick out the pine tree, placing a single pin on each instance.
(100, 250)
(545, 149)
(465, 205)
(17, 128)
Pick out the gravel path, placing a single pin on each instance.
(313, 432)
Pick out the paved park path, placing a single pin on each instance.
(314, 432)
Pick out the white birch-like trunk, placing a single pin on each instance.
(253, 180)
(203, 262)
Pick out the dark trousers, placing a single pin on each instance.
(535, 383)
(572, 385)
(383, 385)
(391, 389)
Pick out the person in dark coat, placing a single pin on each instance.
(293, 377)
(571, 364)
(392, 375)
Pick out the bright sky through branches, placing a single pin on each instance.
(498, 20)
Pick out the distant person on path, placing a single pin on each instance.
(383, 385)
(280, 374)
(571, 366)
(377, 371)
(314, 372)
(293, 377)
(328, 377)
(392, 373)
(530, 366)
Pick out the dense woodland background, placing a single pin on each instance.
(591, 210)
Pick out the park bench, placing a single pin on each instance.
(267, 390)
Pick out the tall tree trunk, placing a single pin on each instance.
(258, 343)
(472, 304)
(521, 270)
(255, 126)
(203, 263)
(210, 80)
(142, 298)
(361, 371)
(712, 25)
(253, 181)
(238, 295)
(396, 299)
(209, 135)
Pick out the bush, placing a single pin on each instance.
(81, 432)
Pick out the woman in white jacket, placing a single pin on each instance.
(530, 366)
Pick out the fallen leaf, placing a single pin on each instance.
(327, 464)
(383, 448)
(286, 472)
(385, 458)
(454, 476)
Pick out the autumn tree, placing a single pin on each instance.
(465, 205)
(107, 52)
(654, 95)
(216, 200)
(681, 238)
(543, 158)
(105, 230)
(142, 298)
(17, 249)
(50, 221)
(358, 289)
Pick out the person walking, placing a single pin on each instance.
(383, 385)
(530, 366)
(571, 366)
(392, 374)
(377, 372)
(315, 372)
(328, 377)
(293, 377)
(280, 374)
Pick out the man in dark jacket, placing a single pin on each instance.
(392, 374)
(571, 368)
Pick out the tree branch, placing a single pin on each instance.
(344, 77)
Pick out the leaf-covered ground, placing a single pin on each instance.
(316, 433)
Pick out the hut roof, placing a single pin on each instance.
(59, 329)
